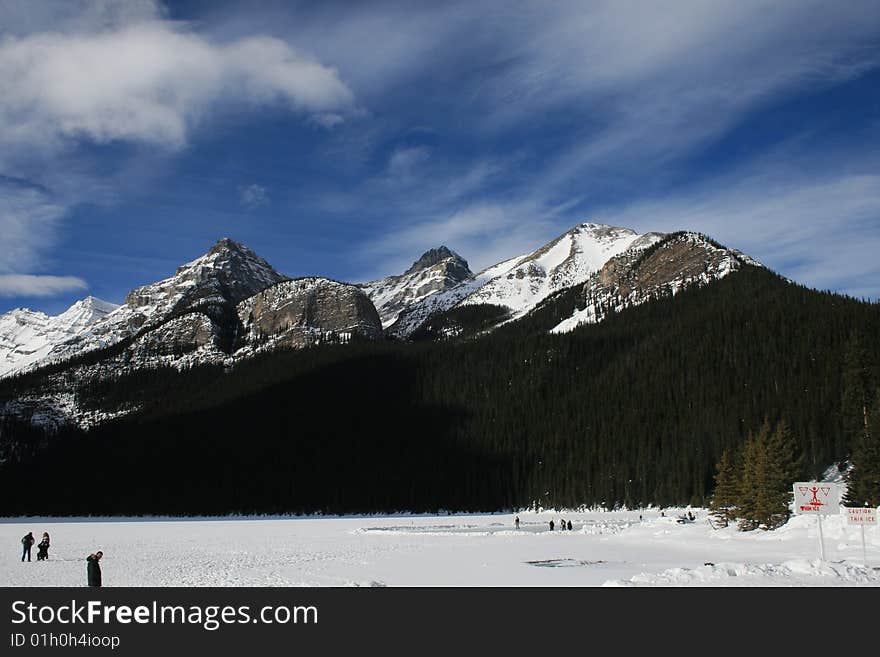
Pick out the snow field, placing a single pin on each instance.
(603, 549)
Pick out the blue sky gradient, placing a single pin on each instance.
(344, 139)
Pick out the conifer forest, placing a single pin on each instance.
(639, 409)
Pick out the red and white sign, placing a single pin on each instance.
(816, 497)
(861, 515)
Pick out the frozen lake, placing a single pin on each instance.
(603, 548)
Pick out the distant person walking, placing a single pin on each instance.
(551, 525)
(43, 548)
(569, 525)
(26, 542)
(93, 568)
(516, 522)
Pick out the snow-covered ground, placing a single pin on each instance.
(603, 548)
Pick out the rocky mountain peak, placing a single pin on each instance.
(651, 268)
(436, 256)
(435, 271)
(229, 271)
(227, 244)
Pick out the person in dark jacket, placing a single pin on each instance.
(551, 525)
(569, 525)
(43, 548)
(93, 568)
(26, 542)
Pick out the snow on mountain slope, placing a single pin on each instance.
(27, 337)
(435, 271)
(411, 317)
(569, 259)
(649, 271)
(228, 273)
(520, 283)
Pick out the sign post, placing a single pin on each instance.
(861, 516)
(819, 499)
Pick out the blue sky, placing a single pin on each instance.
(344, 139)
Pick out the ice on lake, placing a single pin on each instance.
(614, 548)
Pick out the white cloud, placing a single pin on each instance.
(95, 71)
(30, 285)
(28, 217)
(405, 161)
(149, 82)
(253, 196)
(640, 86)
(484, 233)
(820, 231)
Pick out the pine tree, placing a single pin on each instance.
(765, 487)
(723, 504)
(863, 479)
(788, 456)
(857, 380)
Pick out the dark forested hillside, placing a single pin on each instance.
(635, 410)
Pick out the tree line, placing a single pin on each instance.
(635, 410)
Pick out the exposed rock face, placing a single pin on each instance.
(642, 273)
(521, 283)
(308, 310)
(228, 272)
(435, 271)
(213, 283)
(179, 336)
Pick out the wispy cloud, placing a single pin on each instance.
(28, 216)
(641, 88)
(253, 196)
(821, 231)
(30, 285)
(483, 232)
(405, 161)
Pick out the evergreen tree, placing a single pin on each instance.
(863, 479)
(788, 456)
(723, 504)
(858, 385)
(765, 489)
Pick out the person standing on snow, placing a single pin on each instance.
(516, 522)
(26, 542)
(551, 525)
(569, 525)
(93, 568)
(43, 548)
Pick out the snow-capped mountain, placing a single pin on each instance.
(520, 283)
(222, 307)
(228, 273)
(435, 271)
(230, 304)
(27, 337)
(669, 265)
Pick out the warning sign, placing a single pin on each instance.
(814, 497)
(861, 516)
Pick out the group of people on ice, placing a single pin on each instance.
(562, 524)
(27, 542)
(93, 565)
